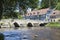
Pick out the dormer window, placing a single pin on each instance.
(49, 11)
(53, 13)
(38, 13)
(30, 13)
(34, 13)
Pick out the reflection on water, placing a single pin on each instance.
(24, 28)
(34, 33)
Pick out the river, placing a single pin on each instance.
(34, 33)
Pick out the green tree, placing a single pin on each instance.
(49, 3)
(1, 8)
(58, 0)
(58, 6)
(10, 5)
(45, 3)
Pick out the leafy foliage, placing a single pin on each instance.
(49, 3)
(1, 8)
(58, 6)
(7, 7)
(53, 24)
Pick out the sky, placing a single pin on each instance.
(40, 0)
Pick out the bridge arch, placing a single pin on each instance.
(29, 25)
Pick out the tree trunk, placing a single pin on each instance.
(1, 9)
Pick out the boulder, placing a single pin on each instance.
(1, 36)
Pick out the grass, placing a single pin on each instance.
(53, 24)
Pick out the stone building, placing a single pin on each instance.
(55, 16)
(37, 14)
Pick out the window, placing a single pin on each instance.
(30, 13)
(52, 16)
(37, 13)
(53, 13)
(34, 13)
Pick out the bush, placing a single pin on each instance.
(20, 17)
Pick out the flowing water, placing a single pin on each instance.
(34, 33)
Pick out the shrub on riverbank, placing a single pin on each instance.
(53, 24)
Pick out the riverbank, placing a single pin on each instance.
(53, 25)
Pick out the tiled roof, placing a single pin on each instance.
(38, 12)
(55, 13)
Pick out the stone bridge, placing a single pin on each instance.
(23, 23)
